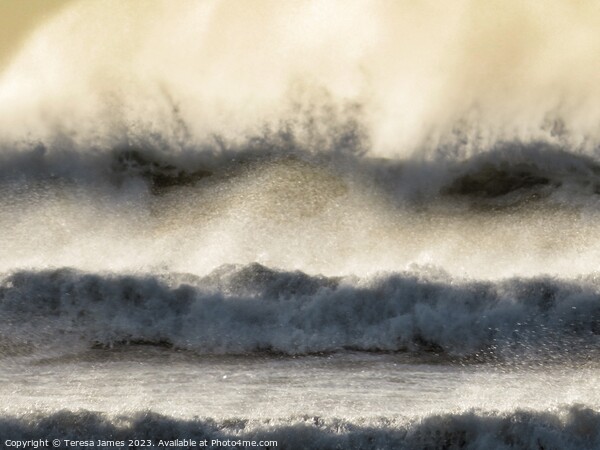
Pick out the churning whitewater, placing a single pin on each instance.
(329, 224)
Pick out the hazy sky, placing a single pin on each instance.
(18, 18)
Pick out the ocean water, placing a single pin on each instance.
(308, 224)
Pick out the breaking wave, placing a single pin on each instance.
(509, 173)
(568, 428)
(237, 310)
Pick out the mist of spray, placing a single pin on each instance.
(417, 75)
